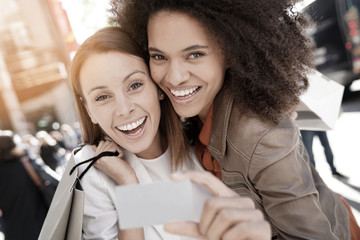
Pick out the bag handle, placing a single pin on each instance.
(31, 171)
(93, 160)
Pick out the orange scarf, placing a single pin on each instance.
(208, 162)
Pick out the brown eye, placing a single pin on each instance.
(195, 55)
(157, 57)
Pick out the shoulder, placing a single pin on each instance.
(262, 139)
(83, 153)
(80, 155)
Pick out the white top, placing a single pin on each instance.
(100, 215)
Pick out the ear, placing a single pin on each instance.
(161, 94)
(93, 120)
(88, 112)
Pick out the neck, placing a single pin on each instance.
(157, 148)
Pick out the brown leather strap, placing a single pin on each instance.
(31, 171)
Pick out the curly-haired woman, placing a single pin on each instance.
(235, 70)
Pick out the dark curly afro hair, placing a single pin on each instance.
(263, 40)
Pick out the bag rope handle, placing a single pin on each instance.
(93, 160)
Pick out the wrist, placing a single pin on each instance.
(127, 179)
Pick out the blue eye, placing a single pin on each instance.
(136, 85)
(101, 98)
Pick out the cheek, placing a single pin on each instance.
(155, 110)
(156, 73)
(98, 113)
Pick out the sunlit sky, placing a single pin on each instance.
(86, 16)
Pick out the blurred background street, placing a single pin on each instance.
(345, 143)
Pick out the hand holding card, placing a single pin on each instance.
(159, 202)
(225, 215)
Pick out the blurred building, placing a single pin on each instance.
(336, 34)
(35, 42)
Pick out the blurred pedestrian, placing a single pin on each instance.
(308, 138)
(32, 145)
(22, 205)
(52, 154)
(59, 138)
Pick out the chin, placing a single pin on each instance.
(186, 114)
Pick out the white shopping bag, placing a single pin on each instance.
(320, 104)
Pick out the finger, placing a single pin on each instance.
(228, 217)
(189, 229)
(116, 147)
(93, 147)
(100, 147)
(212, 183)
(213, 207)
(109, 146)
(249, 230)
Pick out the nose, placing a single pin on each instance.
(124, 106)
(177, 73)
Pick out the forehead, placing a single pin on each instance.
(106, 67)
(168, 28)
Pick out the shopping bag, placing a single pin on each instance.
(320, 105)
(65, 216)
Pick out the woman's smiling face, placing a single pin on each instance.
(185, 62)
(121, 97)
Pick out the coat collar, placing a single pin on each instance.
(223, 104)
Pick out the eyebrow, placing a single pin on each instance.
(132, 73)
(125, 78)
(193, 47)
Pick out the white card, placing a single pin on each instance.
(159, 203)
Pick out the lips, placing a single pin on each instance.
(133, 128)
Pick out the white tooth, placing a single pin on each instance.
(133, 125)
(128, 127)
(183, 93)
